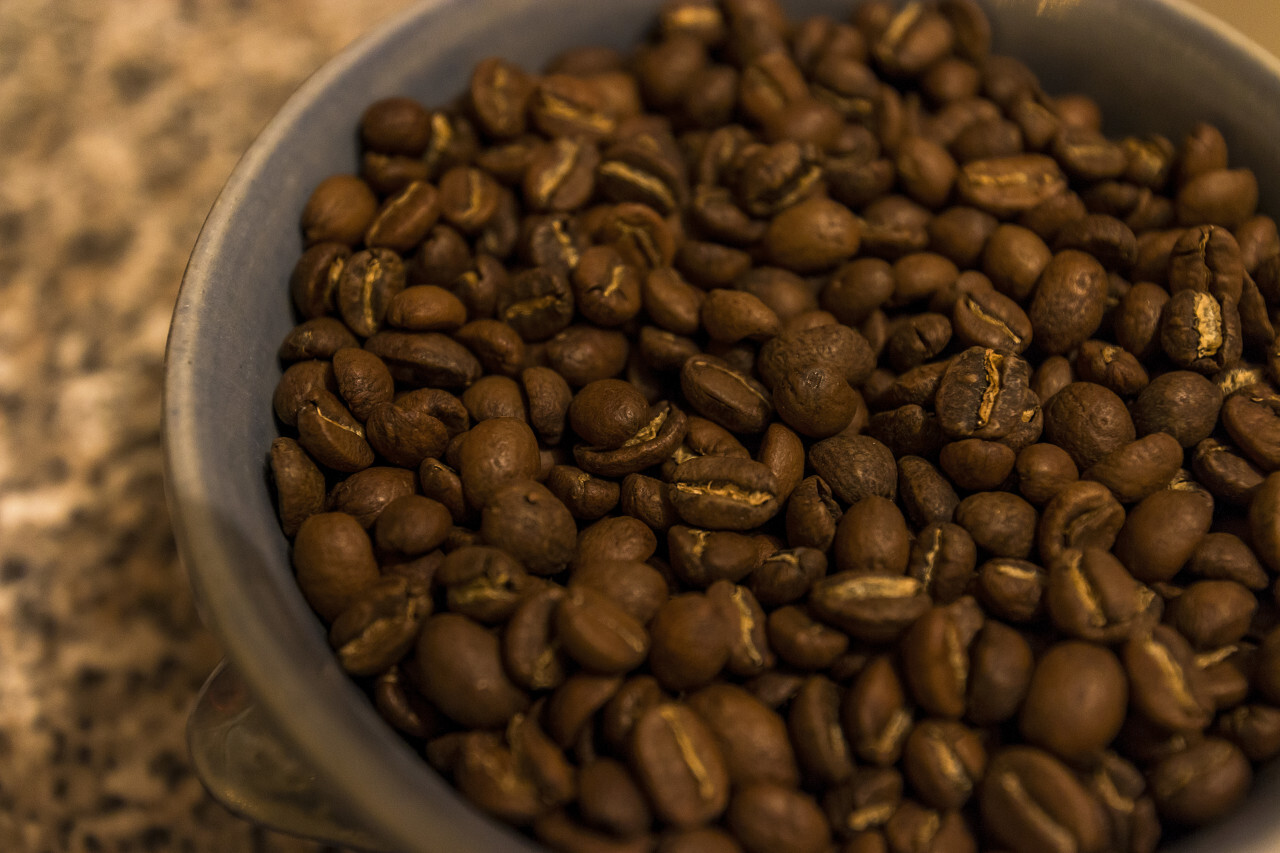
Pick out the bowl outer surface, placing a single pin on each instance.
(1154, 65)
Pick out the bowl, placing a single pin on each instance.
(291, 740)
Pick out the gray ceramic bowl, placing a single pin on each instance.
(1154, 65)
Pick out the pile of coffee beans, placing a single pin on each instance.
(792, 437)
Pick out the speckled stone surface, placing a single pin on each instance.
(119, 122)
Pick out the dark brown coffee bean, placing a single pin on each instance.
(574, 705)
(812, 515)
(701, 557)
(943, 557)
(855, 466)
(1092, 596)
(608, 412)
(656, 439)
(494, 397)
(983, 394)
(525, 519)
(611, 800)
(749, 652)
(679, 764)
(412, 525)
(1083, 514)
(1254, 728)
(1254, 426)
(531, 651)
(1137, 319)
(426, 308)
(425, 359)
(812, 236)
(598, 633)
(1003, 186)
(1202, 783)
(1014, 258)
(339, 210)
(549, 398)
(1139, 468)
(636, 587)
(460, 670)
(872, 538)
(607, 290)
(363, 381)
(1162, 532)
(586, 497)
(1000, 668)
(380, 626)
(334, 562)
(976, 464)
(875, 715)
(814, 724)
(1001, 523)
(768, 817)
(482, 582)
(1223, 556)
(366, 493)
(1088, 421)
(314, 281)
(1225, 197)
(751, 736)
(1166, 684)
(330, 435)
(615, 538)
(494, 453)
(1264, 522)
(876, 608)
(1076, 701)
(1031, 802)
(1012, 589)
(690, 642)
(1181, 403)
(370, 280)
(725, 395)
(935, 656)
(944, 761)
(300, 487)
(1069, 301)
(1214, 613)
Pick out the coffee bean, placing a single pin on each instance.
(1003, 186)
(1088, 421)
(869, 607)
(494, 453)
(1000, 523)
(944, 761)
(1161, 533)
(724, 493)
(752, 737)
(875, 715)
(814, 724)
(1179, 402)
(1139, 468)
(749, 652)
(339, 210)
(1255, 428)
(803, 642)
(525, 519)
(1076, 701)
(1000, 669)
(725, 395)
(943, 556)
(984, 394)
(1012, 589)
(1083, 514)
(460, 670)
(935, 656)
(872, 538)
(1092, 596)
(1264, 521)
(679, 764)
(769, 817)
(1030, 801)
(300, 488)
(425, 359)
(1166, 685)
(331, 435)
(1202, 783)
(1214, 613)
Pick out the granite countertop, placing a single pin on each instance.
(119, 123)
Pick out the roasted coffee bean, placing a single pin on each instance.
(370, 280)
(1088, 421)
(319, 337)
(690, 642)
(1012, 589)
(875, 714)
(1202, 783)
(814, 724)
(587, 498)
(1001, 523)
(525, 519)
(1166, 684)
(339, 210)
(330, 434)
(812, 515)
(680, 765)
(749, 652)
(1092, 596)
(1004, 186)
(752, 737)
(855, 467)
(482, 582)
(1254, 728)
(300, 487)
(334, 563)
(725, 395)
(1264, 522)
(768, 817)
(1000, 669)
(1083, 514)
(1139, 468)
(1031, 801)
(872, 538)
(1162, 532)
(1076, 701)
(425, 359)
(494, 453)
(935, 656)
(494, 397)
(977, 465)
(724, 493)
(701, 557)
(366, 493)
(984, 394)
(943, 557)
(875, 608)
(460, 670)
(944, 761)
(803, 642)
(531, 651)
(615, 538)
(1254, 426)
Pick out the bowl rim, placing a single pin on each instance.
(390, 806)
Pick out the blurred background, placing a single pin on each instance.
(119, 123)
